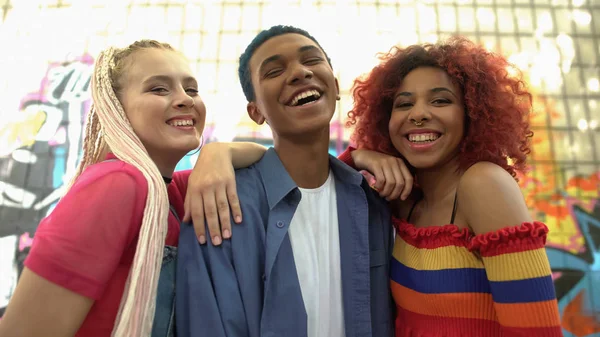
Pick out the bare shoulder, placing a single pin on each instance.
(490, 198)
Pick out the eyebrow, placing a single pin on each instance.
(277, 57)
(165, 78)
(434, 90)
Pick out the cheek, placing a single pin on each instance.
(200, 110)
(458, 122)
(135, 118)
(395, 124)
(394, 129)
(145, 119)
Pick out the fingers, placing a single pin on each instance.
(186, 207)
(379, 178)
(234, 202)
(197, 214)
(408, 180)
(400, 181)
(223, 210)
(212, 218)
(390, 181)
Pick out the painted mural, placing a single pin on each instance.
(40, 149)
(568, 201)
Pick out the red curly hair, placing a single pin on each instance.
(497, 105)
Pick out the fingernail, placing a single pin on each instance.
(226, 234)
(238, 219)
(202, 239)
(217, 240)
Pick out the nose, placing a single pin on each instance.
(184, 100)
(299, 73)
(419, 114)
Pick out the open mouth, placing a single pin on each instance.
(181, 122)
(423, 138)
(305, 98)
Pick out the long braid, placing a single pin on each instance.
(109, 127)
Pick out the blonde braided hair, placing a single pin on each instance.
(109, 128)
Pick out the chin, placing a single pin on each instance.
(423, 163)
(183, 149)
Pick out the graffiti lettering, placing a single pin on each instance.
(40, 150)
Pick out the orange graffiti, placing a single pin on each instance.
(576, 320)
(591, 183)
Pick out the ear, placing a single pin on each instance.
(337, 90)
(254, 113)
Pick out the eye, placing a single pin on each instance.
(402, 105)
(313, 61)
(441, 101)
(159, 90)
(192, 91)
(273, 73)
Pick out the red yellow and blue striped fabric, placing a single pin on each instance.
(448, 283)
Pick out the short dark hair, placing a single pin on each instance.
(262, 37)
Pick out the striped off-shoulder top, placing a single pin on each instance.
(447, 282)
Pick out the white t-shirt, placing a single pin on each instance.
(314, 234)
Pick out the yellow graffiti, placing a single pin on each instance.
(21, 132)
(546, 187)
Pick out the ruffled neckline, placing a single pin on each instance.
(526, 234)
(424, 237)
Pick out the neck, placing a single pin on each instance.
(307, 162)
(439, 183)
(166, 165)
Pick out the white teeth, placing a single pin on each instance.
(423, 137)
(304, 95)
(181, 122)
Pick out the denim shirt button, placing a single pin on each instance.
(280, 224)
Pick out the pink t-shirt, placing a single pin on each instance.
(88, 242)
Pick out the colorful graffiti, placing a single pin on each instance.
(568, 201)
(40, 148)
(41, 145)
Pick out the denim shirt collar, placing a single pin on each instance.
(278, 183)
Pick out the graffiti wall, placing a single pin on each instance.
(566, 196)
(556, 43)
(40, 146)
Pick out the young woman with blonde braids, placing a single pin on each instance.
(102, 263)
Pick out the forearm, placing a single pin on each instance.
(244, 154)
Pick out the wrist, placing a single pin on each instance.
(346, 156)
(355, 154)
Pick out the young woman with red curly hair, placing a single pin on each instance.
(468, 259)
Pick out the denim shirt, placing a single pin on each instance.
(248, 286)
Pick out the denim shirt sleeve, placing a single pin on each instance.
(210, 286)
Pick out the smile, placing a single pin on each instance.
(182, 123)
(422, 138)
(306, 97)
